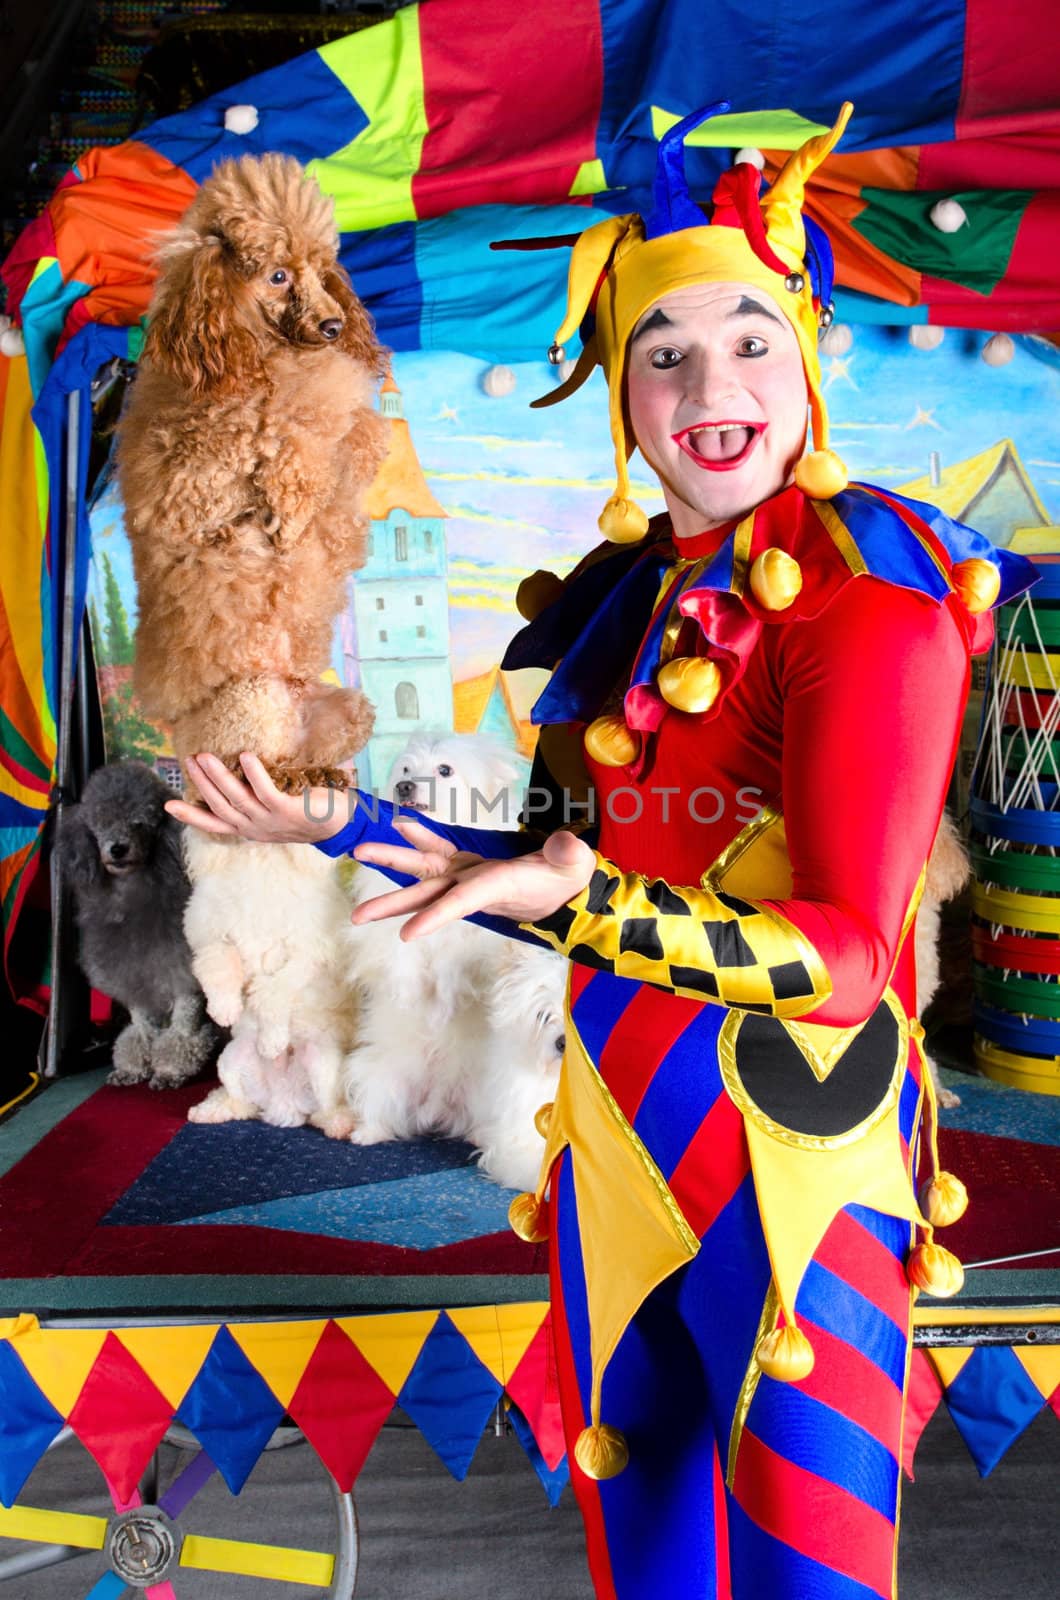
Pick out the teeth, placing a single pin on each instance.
(721, 427)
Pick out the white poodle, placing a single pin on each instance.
(460, 1033)
(269, 929)
(948, 870)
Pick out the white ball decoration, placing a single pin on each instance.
(925, 336)
(565, 369)
(241, 119)
(998, 350)
(749, 153)
(837, 340)
(948, 215)
(498, 381)
(12, 342)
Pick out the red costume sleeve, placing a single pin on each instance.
(874, 692)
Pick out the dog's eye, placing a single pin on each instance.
(279, 276)
(559, 1043)
(445, 772)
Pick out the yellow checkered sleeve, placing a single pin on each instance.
(706, 945)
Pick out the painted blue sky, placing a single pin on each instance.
(523, 488)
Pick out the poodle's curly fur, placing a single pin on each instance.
(120, 855)
(247, 441)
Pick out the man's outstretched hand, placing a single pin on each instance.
(256, 810)
(455, 884)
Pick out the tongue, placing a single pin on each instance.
(725, 446)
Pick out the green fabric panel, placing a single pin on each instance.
(23, 753)
(976, 256)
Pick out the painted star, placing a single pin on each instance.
(924, 419)
(447, 414)
(839, 367)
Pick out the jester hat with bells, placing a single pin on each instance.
(623, 265)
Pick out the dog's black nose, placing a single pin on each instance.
(405, 790)
(118, 852)
(331, 328)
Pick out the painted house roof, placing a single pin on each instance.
(399, 484)
(966, 482)
(471, 697)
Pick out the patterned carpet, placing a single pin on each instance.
(111, 1201)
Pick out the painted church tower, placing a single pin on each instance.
(395, 632)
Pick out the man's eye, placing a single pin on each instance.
(445, 772)
(279, 276)
(752, 345)
(666, 357)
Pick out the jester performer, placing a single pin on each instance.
(767, 685)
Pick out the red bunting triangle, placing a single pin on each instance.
(340, 1405)
(120, 1417)
(922, 1400)
(534, 1386)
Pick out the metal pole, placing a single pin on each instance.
(67, 649)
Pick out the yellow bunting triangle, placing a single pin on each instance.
(279, 1351)
(391, 1344)
(948, 1361)
(622, 1196)
(17, 1327)
(59, 1360)
(171, 1357)
(1042, 1366)
(499, 1335)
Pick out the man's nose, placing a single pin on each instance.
(710, 381)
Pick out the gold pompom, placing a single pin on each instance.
(536, 593)
(936, 1270)
(944, 1200)
(622, 521)
(601, 1452)
(526, 1214)
(609, 741)
(542, 1119)
(977, 582)
(690, 683)
(785, 1354)
(776, 579)
(821, 475)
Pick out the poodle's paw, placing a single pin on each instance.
(131, 1056)
(337, 1124)
(948, 1098)
(273, 1039)
(220, 1106)
(295, 780)
(225, 1006)
(284, 1117)
(338, 723)
(372, 1133)
(179, 1056)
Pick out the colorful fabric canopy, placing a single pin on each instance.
(449, 126)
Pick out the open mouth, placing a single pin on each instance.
(720, 446)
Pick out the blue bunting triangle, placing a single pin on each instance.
(231, 1410)
(28, 1424)
(449, 1395)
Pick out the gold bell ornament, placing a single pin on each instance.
(528, 1218)
(601, 1451)
(935, 1270)
(611, 742)
(543, 1119)
(690, 683)
(977, 582)
(785, 1354)
(775, 580)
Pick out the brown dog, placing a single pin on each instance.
(248, 440)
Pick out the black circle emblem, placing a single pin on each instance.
(768, 1074)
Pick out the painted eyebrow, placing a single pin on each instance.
(658, 319)
(750, 308)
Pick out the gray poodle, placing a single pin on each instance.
(120, 854)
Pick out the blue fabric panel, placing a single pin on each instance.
(449, 1395)
(231, 1410)
(819, 1439)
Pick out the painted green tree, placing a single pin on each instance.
(127, 733)
(117, 647)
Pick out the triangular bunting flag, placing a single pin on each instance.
(120, 1417)
(279, 1351)
(449, 1395)
(340, 1405)
(923, 1393)
(992, 1400)
(553, 1480)
(171, 1357)
(392, 1343)
(499, 1335)
(534, 1387)
(231, 1410)
(59, 1360)
(28, 1424)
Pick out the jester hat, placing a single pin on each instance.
(623, 265)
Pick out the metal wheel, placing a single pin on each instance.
(148, 1545)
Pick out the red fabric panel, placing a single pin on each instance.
(1016, 161)
(120, 1417)
(857, 1257)
(651, 1023)
(723, 1579)
(340, 1405)
(713, 1167)
(842, 1374)
(922, 1400)
(814, 1517)
(508, 124)
(1028, 297)
(1011, 68)
(534, 1386)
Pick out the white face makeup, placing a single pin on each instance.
(717, 398)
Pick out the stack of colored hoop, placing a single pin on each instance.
(1015, 817)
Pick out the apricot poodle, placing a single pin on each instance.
(247, 442)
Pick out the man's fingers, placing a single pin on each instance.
(395, 856)
(398, 902)
(473, 894)
(259, 780)
(565, 849)
(422, 837)
(198, 817)
(224, 793)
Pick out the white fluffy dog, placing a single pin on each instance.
(270, 935)
(948, 870)
(460, 1033)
